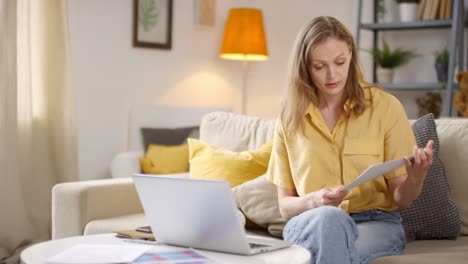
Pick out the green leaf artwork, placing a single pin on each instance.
(148, 14)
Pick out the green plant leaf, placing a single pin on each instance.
(148, 13)
(442, 56)
(380, 8)
(388, 58)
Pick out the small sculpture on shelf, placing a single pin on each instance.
(431, 102)
(461, 98)
(388, 59)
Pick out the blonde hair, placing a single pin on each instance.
(301, 91)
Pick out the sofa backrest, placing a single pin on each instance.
(161, 117)
(237, 132)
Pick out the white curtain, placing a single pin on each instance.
(38, 145)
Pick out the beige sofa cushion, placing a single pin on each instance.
(430, 252)
(108, 225)
(453, 137)
(258, 200)
(236, 132)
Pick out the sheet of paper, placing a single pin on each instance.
(99, 254)
(375, 171)
(186, 256)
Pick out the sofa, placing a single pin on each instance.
(103, 206)
(151, 117)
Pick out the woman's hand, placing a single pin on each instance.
(406, 188)
(331, 197)
(290, 204)
(418, 166)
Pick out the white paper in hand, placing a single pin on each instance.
(375, 171)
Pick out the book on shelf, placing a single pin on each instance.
(421, 7)
(441, 13)
(434, 10)
(427, 9)
(448, 9)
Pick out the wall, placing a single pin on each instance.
(110, 75)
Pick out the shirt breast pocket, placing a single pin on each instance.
(359, 154)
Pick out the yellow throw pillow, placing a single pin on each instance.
(146, 165)
(161, 159)
(210, 162)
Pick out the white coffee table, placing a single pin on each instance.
(37, 254)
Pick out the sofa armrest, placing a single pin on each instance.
(125, 164)
(74, 204)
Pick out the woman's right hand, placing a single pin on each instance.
(331, 197)
(290, 204)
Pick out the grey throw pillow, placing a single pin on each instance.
(168, 136)
(433, 215)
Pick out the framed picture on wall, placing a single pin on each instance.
(204, 13)
(152, 23)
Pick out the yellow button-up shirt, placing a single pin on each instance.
(327, 159)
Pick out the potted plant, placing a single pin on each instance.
(388, 59)
(441, 58)
(380, 10)
(386, 11)
(408, 9)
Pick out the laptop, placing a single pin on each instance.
(197, 213)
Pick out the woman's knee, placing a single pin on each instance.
(331, 212)
(315, 227)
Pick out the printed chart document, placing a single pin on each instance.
(99, 254)
(184, 256)
(375, 171)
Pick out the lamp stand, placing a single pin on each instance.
(245, 70)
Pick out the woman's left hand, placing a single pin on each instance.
(420, 163)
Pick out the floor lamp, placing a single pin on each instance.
(244, 39)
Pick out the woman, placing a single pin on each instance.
(332, 127)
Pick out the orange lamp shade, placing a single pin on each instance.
(244, 36)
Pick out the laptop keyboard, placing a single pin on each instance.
(255, 245)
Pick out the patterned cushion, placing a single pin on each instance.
(432, 215)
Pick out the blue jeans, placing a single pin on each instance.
(332, 236)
